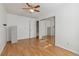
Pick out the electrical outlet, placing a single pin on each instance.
(68, 43)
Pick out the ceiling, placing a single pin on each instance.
(45, 9)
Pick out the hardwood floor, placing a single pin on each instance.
(34, 47)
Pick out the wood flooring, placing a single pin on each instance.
(34, 47)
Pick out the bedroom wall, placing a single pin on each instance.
(23, 26)
(67, 27)
(2, 28)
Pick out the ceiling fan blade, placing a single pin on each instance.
(25, 8)
(28, 4)
(37, 6)
(37, 10)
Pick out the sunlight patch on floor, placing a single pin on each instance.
(48, 45)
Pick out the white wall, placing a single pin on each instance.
(76, 18)
(47, 15)
(2, 28)
(67, 23)
(22, 24)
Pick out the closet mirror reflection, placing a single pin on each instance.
(47, 30)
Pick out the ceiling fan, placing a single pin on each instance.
(31, 7)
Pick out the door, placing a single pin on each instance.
(37, 29)
(47, 30)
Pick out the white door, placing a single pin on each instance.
(13, 34)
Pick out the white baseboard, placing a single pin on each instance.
(2, 48)
(77, 53)
(26, 38)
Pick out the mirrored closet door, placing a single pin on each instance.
(47, 30)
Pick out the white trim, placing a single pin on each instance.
(2, 48)
(77, 53)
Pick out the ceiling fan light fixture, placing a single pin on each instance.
(31, 10)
